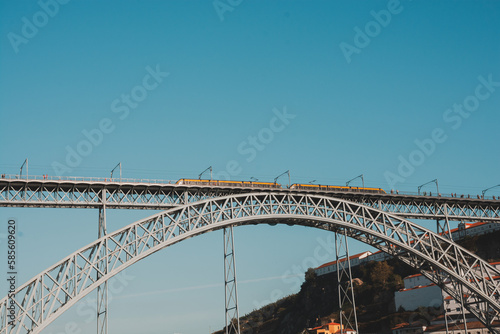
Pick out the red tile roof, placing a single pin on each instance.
(467, 226)
(342, 260)
(417, 287)
(470, 325)
(416, 324)
(411, 276)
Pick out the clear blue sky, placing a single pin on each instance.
(354, 112)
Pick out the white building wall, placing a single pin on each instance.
(451, 306)
(474, 230)
(416, 280)
(427, 295)
(411, 300)
(457, 331)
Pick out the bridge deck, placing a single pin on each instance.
(160, 195)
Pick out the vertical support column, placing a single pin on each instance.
(348, 318)
(454, 323)
(232, 316)
(447, 318)
(462, 307)
(102, 290)
(445, 231)
(445, 312)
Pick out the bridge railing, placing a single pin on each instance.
(82, 179)
(160, 181)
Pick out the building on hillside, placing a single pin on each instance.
(419, 291)
(356, 260)
(473, 229)
(331, 328)
(419, 296)
(405, 328)
(378, 257)
(437, 326)
(461, 232)
(473, 327)
(331, 267)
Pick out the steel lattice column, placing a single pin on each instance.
(230, 289)
(102, 290)
(348, 318)
(444, 230)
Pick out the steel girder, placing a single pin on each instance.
(80, 194)
(42, 299)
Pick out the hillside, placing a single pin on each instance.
(374, 287)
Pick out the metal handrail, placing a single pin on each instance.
(83, 178)
(161, 181)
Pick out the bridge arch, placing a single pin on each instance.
(46, 296)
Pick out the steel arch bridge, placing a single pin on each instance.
(42, 299)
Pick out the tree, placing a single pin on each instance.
(381, 272)
(310, 275)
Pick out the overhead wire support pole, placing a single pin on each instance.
(25, 163)
(359, 176)
(119, 165)
(433, 181)
(287, 172)
(232, 316)
(102, 266)
(209, 168)
(485, 190)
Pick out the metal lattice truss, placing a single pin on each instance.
(439, 208)
(22, 193)
(80, 194)
(42, 299)
(347, 303)
(232, 316)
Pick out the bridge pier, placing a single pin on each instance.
(444, 230)
(346, 292)
(102, 266)
(232, 316)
